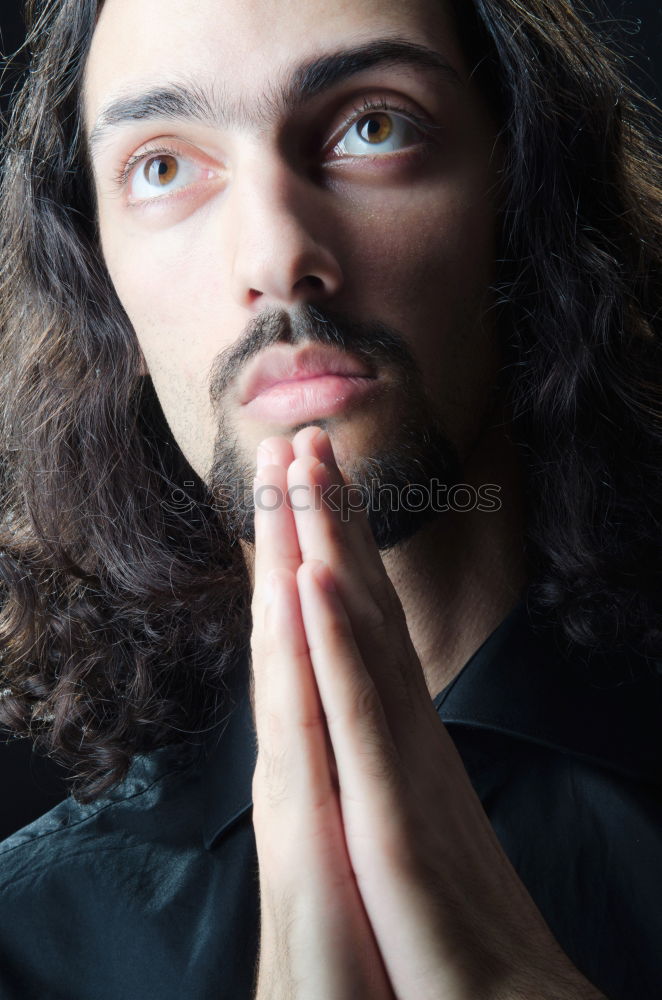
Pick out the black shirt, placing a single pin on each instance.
(152, 891)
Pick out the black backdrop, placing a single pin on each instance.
(29, 784)
(636, 25)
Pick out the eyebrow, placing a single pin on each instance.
(186, 102)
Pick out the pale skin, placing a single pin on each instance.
(380, 874)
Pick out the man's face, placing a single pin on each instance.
(372, 198)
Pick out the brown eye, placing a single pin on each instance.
(161, 174)
(379, 132)
(160, 170)
(375, 127)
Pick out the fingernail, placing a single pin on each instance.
(323, 475)
(324, 577)
(264, 456)
(323, 447)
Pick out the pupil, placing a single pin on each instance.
(376, 128)
(161, 170)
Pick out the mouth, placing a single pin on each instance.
(290, 386)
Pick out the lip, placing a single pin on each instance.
(285, 366)
(300, 400)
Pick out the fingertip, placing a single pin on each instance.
(276, 450)
(307, 567)
(302, 442)
(301, 469)
(320, 573)
(323, 447)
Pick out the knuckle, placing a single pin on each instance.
(271, 783)
(362, 707)
(366, 700)
(380, 759)
(377, 618)
(334, 637)
(266, 644)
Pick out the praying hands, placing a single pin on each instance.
(380, 874)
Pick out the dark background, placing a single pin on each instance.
(635, 26)
(32, 784)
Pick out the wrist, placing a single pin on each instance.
(547, 981)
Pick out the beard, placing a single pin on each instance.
(395, 484)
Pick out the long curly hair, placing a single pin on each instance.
(124, 604)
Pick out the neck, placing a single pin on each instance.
(460, 575)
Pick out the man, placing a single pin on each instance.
(269, 265)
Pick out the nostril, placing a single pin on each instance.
(311, 280)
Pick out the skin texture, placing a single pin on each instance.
(191, 274)
(260, 219)
(380, 874)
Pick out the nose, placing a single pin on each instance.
(280, 233)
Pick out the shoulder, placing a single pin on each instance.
(84, 890)
(133, 811)
(521, 783)
(586, 842)
(563, 747)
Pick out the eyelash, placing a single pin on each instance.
(123, 173)
(381, 104)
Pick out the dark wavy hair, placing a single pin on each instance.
(124, 604)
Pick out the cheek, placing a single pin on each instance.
(433, 283)
(163, 282)
(440, 249)
(434, 286)
(167, 296)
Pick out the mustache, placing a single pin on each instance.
(372, 341)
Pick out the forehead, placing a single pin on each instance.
(247, 47)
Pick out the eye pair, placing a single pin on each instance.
(377, 132)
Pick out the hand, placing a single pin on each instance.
(316, 941)
(446, 910)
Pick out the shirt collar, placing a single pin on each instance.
(517, 682)
(521, 683)
(230, 754)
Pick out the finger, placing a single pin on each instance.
(304, 866)
(277, 553)
(315, 930)
(367, 760)
(378, 624)
(354, 534)
(276, 540)
(328, 531)
(290, 725)
(276, 548)
(315, 442)
(276, 450)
